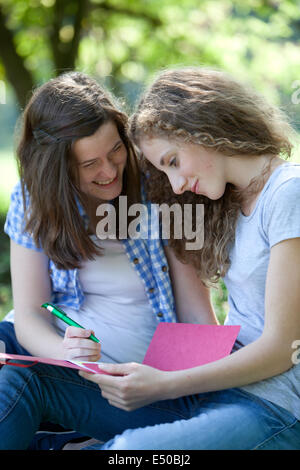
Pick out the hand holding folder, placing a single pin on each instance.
(174, 346)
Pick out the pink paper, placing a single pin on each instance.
(31, 360)
(34, 359)
(174, 346)
(177, 346)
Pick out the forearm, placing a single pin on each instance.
(36, 333)
(252, 363)
(198, 310)
(31, 287)
(192, 298)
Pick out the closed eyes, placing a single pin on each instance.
(116, 149)
(173, 162)
(89, 164)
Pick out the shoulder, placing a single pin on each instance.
(281, 208)
(16, 198)
(16, 193)
(15, 222)
(16, 207)
(284, 185)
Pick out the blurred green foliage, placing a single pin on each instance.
(219, 300)
(124, 42)
(5, 287)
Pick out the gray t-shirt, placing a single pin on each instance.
(276, 217)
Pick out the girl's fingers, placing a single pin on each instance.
(81, 355)
(82, 343)
(76, 332)
(78, 347)
(87, 358)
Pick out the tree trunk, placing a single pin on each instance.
(65, 53)
(17, 74)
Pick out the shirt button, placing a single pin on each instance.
(164, 269)
(50, 271)
(151, 290)
(136, 260)
(160, 315)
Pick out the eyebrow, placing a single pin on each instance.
(95, 158)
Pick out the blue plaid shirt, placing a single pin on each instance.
(146, 256)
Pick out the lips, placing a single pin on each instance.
(194, 188)
(106, 183)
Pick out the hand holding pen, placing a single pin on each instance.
(78, 347)
(79, 344)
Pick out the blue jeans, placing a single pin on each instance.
(230, 419)
(49, 435)
(8, 336)
(59, 395)
(226, 420)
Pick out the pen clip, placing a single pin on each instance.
(46, 305)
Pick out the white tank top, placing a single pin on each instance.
(116, 305)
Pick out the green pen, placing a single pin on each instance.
(64, 317)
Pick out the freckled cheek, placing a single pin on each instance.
(209, 166)
(206, 172)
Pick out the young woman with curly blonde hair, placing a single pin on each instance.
(208, 139)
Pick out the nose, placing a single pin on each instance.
(107, 169)
(178, 183)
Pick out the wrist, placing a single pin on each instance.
(174, 385)
(60, 352)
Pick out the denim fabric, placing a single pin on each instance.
(44, 393)
(227, 420)
(8, 336)
(231, 419)
(49, 436)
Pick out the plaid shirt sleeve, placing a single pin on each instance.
(14, 225)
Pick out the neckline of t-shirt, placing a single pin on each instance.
(95, 238)
(247, 218)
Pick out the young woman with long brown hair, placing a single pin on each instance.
(205, 138)
(74, 155)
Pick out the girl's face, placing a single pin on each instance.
(101, 159)
(189, 167)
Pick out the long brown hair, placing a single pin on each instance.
(209, 108)
(64, 109)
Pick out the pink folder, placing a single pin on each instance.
(177, 346)
(32, 360)
(174, 346)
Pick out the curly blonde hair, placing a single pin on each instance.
(208, 107)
